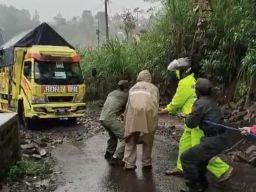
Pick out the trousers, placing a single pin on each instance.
(130, 154)
(115, 129)
(192, 137)
(195, 160)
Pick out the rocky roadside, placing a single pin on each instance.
(36, 146)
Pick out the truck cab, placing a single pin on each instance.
(40, 77)
(51, 84)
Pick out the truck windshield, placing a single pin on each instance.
(58, 73)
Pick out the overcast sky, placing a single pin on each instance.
(68, 8)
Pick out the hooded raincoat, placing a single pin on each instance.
(142, 108)
(141, 120)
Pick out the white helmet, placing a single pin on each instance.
(181, 63)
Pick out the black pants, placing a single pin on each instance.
(195, 160)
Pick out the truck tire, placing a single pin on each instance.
(72, 120)
(27, 123)
(20, 111)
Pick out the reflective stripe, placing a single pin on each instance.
(143, 92)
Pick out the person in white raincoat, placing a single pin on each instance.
(141, 120)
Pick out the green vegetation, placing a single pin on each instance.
(222, 34)
(27, 168)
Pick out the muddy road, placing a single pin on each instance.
(83, 168)
(75, 153)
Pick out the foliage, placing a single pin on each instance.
(230, 31)
(128, 22)
(14, 21)
(27, 168)
(248, 72)
(221, 34)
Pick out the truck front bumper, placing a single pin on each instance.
(56, 110)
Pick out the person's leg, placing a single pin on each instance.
(195, 160)
(147, 146)
(118, 129)
(194, 167)
(184, 145)
(112, 141)
(130, 153)
(216, 165)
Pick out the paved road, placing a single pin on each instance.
(85, 170)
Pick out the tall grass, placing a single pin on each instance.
(224, 41)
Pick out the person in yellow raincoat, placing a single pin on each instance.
(182, 102)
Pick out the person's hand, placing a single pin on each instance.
(122, 116)
(162, 111)
(181, 115)
(245, 130)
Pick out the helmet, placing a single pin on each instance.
(181, 66)
(178, 64)
(123, 83)
(203, 86)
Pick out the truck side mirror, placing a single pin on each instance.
(94, 72)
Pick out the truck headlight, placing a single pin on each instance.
(38, 100)
(39, 109)
(79, 108)
(79, 100)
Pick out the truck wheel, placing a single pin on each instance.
(21, 113)
(72, 120)
(29, 123)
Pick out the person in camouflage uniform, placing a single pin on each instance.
(113, 107)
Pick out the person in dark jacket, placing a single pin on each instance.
(195, 160)
(113, 107)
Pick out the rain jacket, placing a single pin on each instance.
(114, 105)
(184, 97)
(141, 113)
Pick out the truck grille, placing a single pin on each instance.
(60, 99)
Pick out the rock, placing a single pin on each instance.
(79, 138)
(27, 146)
(232, 105)
(44, 183)
(36, 156)
(29, 151)
(252, 160)
(46, 140)
(27, 183)
(43, 144)
(58, 141)
(247, 117)
(42, 152)
(26, 155)
(242, 157)
(250, 150)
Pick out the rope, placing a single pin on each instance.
(226, 127)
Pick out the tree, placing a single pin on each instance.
(129, 23)
(59, 19)
(36, 17)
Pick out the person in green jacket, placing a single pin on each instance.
(182, 102)
(114, 106)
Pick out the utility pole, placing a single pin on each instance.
(106, 19)
(98, 35)
(1, 37)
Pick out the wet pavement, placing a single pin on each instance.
(84, 169)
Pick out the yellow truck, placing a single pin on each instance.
(40, 77)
